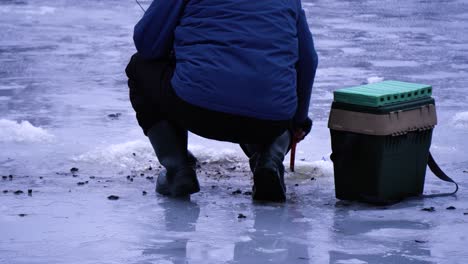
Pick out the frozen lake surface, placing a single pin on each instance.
(63, 104)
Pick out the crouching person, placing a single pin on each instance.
(231, 70)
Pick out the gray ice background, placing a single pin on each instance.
(61, 75)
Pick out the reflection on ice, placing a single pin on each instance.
(179, 217)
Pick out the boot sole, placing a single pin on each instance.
(268, 186)
(176, 191)
(184, 190)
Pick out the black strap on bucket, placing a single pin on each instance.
(441, 175)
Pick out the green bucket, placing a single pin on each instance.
(381, 134)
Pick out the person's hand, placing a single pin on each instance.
(301, 130)
(298, 135)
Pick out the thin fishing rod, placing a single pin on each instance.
(140, 6)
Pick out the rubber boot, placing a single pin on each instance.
(252, 152)
(269, 170)
(170, 144)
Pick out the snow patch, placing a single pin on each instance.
(11, 86)
(162, 241)
(395, 63)
(374, 79)
(270, 251)
(23, 131)
(320, 168)
(352, 50)
(302, 220)
(133, 154)
(325, 96)
(245, 239)
(138, 154)
(351, 261)
(205, 154)
(42, 10)
(394, 233)
(460, 120)
(308, 6)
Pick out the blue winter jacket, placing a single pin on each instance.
(243, 57)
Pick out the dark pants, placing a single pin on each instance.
(153, 100)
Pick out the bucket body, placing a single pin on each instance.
(379, 169)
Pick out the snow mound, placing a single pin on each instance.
(23, 131)
(374, 79)
(133, 154)
(139, 155)
(206, 154)
(460, 120)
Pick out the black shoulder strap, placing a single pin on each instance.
(441, 175)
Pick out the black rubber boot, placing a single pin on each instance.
(269, 170)
(170, 144)
(252, 152)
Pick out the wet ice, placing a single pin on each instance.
(61, 72)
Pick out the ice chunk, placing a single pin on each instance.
(23, 131)
(374, 79)
(460, 120)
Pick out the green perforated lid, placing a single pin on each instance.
(382, 93)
